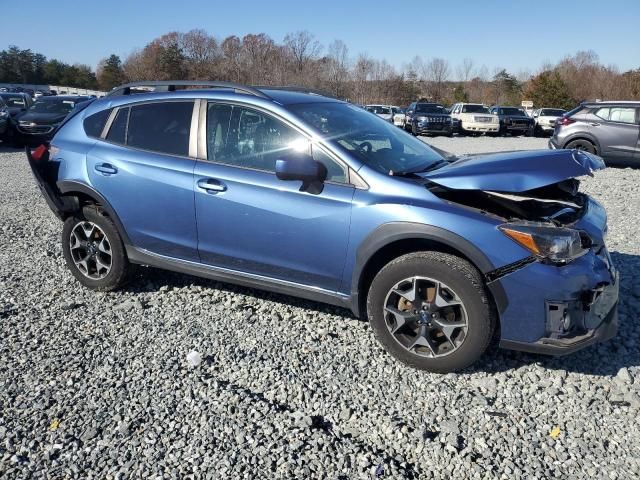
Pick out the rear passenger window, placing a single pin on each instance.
(622, 114)
(161, 127)
(94, 124)
(118, 130)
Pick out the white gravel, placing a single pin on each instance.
(100, 386)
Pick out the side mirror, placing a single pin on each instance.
(303, 168)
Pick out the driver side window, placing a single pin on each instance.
(248, 138)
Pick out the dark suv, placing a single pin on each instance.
(428, 118)
(608, 129)
(513, 120)
(306, 195)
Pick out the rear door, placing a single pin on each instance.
(249, 220)
(144, 170)
(617, 130)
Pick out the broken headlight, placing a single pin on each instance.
(557, 244)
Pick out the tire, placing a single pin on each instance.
(102, 247)
(581, 144)
(459, 281)
(413, 130)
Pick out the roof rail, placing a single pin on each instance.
(295, 88)
(170, 86)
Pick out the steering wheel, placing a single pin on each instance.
(365, 147)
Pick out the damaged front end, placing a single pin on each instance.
(567, 284)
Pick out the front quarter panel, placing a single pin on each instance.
(419, 214)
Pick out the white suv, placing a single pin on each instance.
(545, 119)
(474, 118)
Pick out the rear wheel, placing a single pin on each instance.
(581, 144)
(94, 251)
(430, 310)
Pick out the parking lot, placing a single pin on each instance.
(98, 385)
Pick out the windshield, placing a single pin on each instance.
(512, 111)
(430, 109)
(57, 106)
(14, 100)
(551, 112)
(379, 144)
(474, 109)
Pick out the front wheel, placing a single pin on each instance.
(430, 311)
(94, 251)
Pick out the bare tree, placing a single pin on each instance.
(465, 70)
(303, 49)
(202, 54)
(437, 73)
(338, 68)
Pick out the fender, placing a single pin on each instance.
(71, 186)
(392, 232)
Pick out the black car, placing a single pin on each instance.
(427, 119)
(514, 120)
(4, 118)
(16, 104)
(38, 124)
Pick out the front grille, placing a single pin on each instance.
(483, 119)
(35, 129)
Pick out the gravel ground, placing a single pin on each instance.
(99, 386)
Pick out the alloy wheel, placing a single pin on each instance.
(90, 250)
(426, 317)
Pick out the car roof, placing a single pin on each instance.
(288, 97)
(614, 102)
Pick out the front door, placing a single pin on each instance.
(250, 221)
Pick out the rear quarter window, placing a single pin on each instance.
(94, 124)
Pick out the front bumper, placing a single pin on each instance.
(560, 309)
(605, 313)
(441, 128)
(479, 126)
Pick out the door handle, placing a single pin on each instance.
(211, 185)
(595, 124)
(106, 168)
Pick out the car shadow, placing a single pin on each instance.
(604, 359)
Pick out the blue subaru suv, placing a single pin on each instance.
(299, 193)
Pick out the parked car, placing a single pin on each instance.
(17, 104)
(608, 129)
(398, 116)
(383, 111)
(38, 124)
(513, 120)
(430, 119)
(38, 94)
(4, 118)
(474, 118)
(545, 119)
(417, 108)
(313, 197)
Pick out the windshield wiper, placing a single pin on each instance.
(414, 173)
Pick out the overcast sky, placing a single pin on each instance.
(516, 35)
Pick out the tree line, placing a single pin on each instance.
(300, 59)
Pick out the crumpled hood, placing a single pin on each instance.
(515, 171)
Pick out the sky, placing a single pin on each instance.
(516, 35)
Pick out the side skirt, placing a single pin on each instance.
(145, 257)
